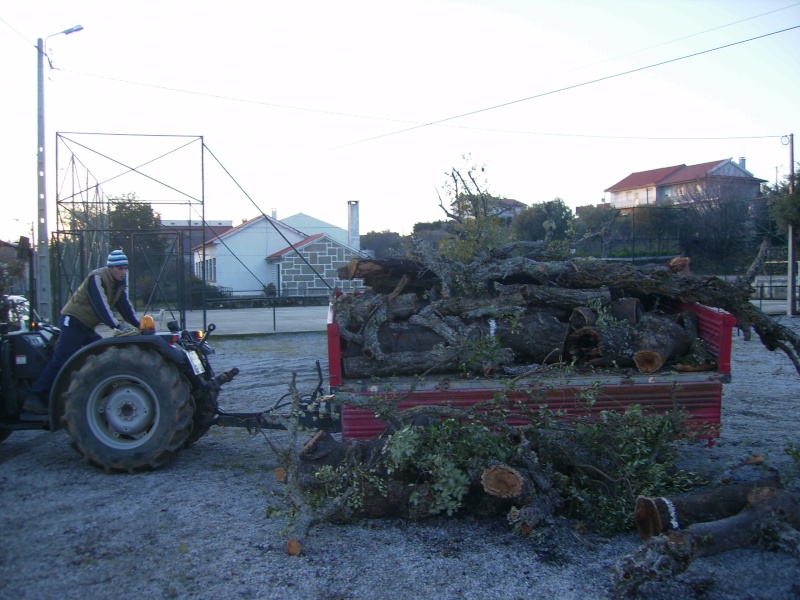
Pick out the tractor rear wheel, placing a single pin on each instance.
(128, 409)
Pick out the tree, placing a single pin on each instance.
(543, 221)
(432, 226)
(656, 228)
(384, 244)
(597, 228)
(136, 228)
(474, 224)
(784, 206)
(721, 235)
(473, 231)
(127, 217)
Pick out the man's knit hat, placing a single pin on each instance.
(117, 258)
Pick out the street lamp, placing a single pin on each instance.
(43, 296)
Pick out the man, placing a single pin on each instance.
(91, 304)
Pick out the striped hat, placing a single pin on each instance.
(117, 258)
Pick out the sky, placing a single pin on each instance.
(304, 106)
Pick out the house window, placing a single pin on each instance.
(211, 269)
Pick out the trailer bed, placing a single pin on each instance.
(698, 393)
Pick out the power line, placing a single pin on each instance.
(563, 89)
(442, 122)
(680, 39)
(417, 124)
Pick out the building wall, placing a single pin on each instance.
(16, 270)
(326, 256)
(241, 261)
(634, 197)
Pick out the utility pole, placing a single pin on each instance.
(43, 296)
(791, 271)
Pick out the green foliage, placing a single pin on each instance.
(603, 315)
(444, 454)
(136, 228)
(343, 481)
(473, 236)
(270, 291)
(432, 226)
(615, 457)
(129, 216)
(550, 220)
(480, 353)
(473, 233)
(384, 244)
(784, 206)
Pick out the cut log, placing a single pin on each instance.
(437, 360)
(537, 337)
(582, 316)
(539, 511)
(770, 512)
(627, 310)
(463, 306)
(382, 275)
(403, 336)
(541, 295)
(656, 341)
(453, 337)
(648, 346)
(656, 515)
(583, 345)
(508, 483)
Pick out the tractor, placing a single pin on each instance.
(129, 403)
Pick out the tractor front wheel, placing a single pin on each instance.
(128, 409)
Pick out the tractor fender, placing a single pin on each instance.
(153, 343)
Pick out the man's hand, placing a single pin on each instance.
(124, 330)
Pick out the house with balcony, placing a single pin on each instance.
(685, 183)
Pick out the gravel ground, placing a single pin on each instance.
(200, 528)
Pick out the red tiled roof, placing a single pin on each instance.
(300, 244)
(644, 178)
(692, 172)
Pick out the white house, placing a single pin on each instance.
(246, 259)
(682, 183)
(236, 261)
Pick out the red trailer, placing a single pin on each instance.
(699, 393)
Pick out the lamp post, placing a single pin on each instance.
(43, 295)
(791, 275)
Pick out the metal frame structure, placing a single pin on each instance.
(83, 235)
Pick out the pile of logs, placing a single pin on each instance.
(495, 489)
(403, 326)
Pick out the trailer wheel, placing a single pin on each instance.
(128, 409)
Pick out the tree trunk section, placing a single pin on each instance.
(656, 515)
(541, 295)
(628, 310)
(656, 341)
(537, 338)
(769, 512)
(437, 360)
